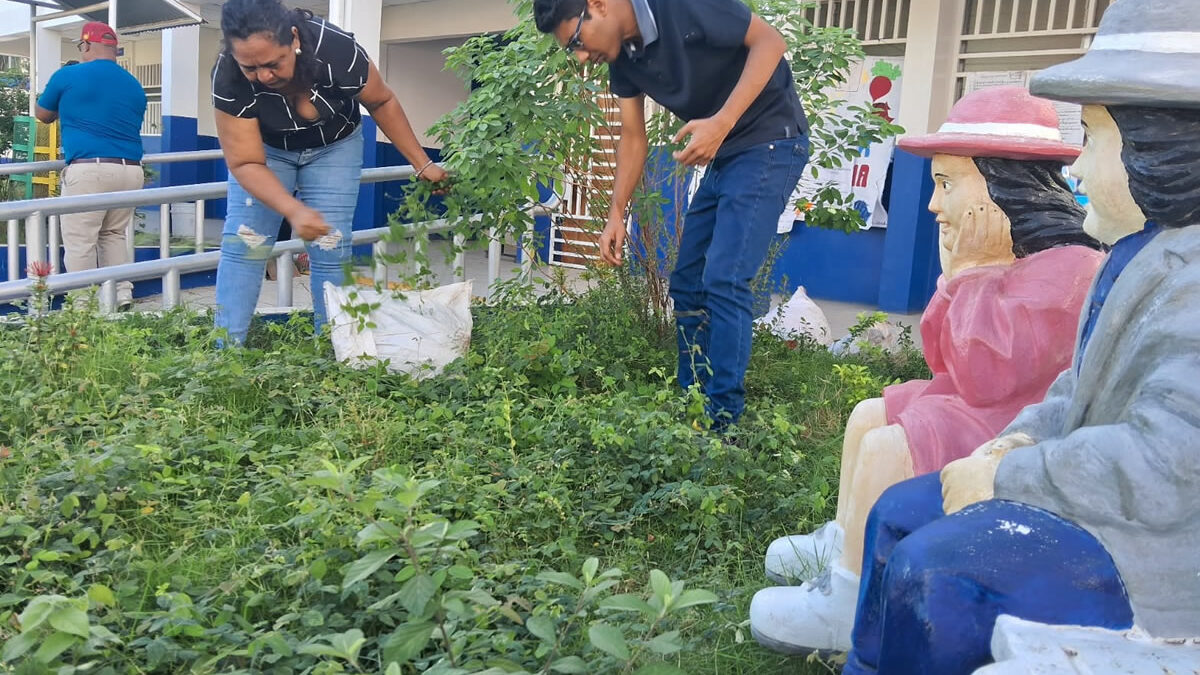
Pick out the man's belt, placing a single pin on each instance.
(107, 160)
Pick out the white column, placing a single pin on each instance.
(47, 59)
(930, 64)
(180, 72)
(361, 17)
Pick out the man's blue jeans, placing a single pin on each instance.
(726, 234)
(933, 585)
(325, 179)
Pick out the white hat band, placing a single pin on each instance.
(1006, 129)
(1163, 43)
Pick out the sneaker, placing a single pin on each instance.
(793, 559)
(814, 617)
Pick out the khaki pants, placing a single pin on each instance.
(97, 238)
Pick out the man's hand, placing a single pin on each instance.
(308, 224)
(972, 479)
(612, 241)
(707, 136)
(967, 481)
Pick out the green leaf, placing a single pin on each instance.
(572, 665)
(367, 565)
(407, 642)
(16, 647)
(38, 611)
(659, 669)
(416, 593)
(609, 640)
(561, 578)
(54, 645)
(543, 628)
(666, 644)
(693, 597)
(628, 603)
(71, 620)
(660, 583)
(589, 569)
(101, 595)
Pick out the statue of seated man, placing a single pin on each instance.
(1017, 266)
(1087, 510)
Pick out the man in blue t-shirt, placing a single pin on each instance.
(721, 69)
(101, 107)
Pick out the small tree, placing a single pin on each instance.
(14, 100)
(530, 117)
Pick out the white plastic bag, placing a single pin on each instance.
(417, 334)
(798, 316)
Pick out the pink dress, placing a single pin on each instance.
(995, 338)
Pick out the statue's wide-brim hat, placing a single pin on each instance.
(1005, 122)
(1145, 53)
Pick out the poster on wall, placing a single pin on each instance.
(875, 81)
(1069, 123)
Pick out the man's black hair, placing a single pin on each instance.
(241, 19)
(548, 14)
(1040, 206)
(1160, 150)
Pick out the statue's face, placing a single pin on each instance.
(1111, 211)
(958, 187)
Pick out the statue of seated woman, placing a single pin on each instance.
(1086, 510)
(1016, 270)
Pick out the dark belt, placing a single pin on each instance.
(107, 160)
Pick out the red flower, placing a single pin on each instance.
(39, 269)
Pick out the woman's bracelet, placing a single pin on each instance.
(422, 169)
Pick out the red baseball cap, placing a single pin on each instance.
(98, 32)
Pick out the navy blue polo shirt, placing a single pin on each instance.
(692, 56)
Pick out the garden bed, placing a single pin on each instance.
(167, 507)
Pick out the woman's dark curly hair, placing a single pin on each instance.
(241, 19)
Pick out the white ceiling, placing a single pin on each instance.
(211, 9)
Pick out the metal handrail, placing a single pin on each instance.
(17, 168)
(52, 206)
(169, 268)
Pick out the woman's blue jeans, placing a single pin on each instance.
(325, 179)
(727, 231)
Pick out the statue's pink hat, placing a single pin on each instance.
(1006, 122)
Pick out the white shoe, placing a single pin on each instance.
(803, 556)
(816, 616)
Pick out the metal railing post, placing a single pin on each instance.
(460, 258)
(170, 287)
(35, 246)
(129, 243)
(55, 248)
(108, 296)
(493, 258)
(164, 231)
(285, 272)
(14, 249)
(199, 226)
(378, 251)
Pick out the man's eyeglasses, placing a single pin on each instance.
(575, 43)
(81, 45)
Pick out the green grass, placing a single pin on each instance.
(205, 508)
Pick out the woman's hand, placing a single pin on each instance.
(308, 224)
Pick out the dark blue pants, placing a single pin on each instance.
(933, 584)
(726, 234)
